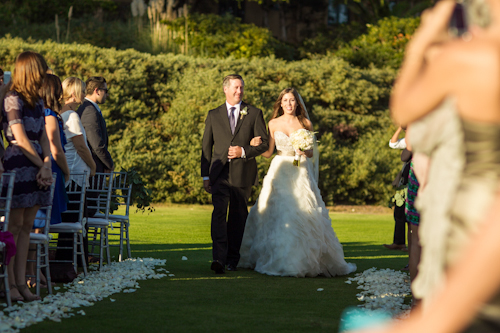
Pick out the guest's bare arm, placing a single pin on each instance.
(84, 152)
(467, 286)
(52, 129)
(417, 78)
(269, 152)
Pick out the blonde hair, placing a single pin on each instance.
(478, 12)
(73, 85)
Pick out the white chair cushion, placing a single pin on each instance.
(97, 222)
(117, 218)
(39, 238)
(66, 227)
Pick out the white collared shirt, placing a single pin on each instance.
(236, 111)
(236, 117)
(95, 105)
(400, 144)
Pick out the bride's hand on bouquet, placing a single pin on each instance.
(257, 141)
(306, 153)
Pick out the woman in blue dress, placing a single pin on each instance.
(51, 93)
(28, 154)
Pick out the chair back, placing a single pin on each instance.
(6, 189)
(76, 194)
(99, 193)
(121, 190)
(48, 209)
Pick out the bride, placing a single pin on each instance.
(288, 231)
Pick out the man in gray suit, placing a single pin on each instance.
(229, 169)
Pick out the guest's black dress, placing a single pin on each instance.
(26, 190)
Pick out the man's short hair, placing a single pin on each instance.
(93, 83)
(227, 80)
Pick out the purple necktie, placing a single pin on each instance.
(232, 120)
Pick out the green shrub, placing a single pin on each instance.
(213, 35)
(157, 106)
(383, 45)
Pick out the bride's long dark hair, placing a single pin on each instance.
(299, 111)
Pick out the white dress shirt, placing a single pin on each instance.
(400, 144)
(95, 105)
(236, 119)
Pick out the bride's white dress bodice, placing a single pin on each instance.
(288, 231)
(282, 142)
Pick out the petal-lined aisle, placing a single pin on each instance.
(383, 290)
(112, 279)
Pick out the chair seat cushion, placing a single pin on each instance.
(66, 227)
(117, 218)
(97, 222)
(38, 238)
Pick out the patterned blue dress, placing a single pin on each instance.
(15, 111)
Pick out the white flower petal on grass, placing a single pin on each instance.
(184, 258)
(112, 300)
(171, 274)
(57, 288)
(383, 290)
(320, 289)
(82, 292)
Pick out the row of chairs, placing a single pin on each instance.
(105, 192)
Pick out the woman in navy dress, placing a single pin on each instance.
(28, 154)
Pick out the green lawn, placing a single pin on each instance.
(196, 300)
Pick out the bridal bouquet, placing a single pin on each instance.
(301, 139)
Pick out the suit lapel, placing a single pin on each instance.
(240, 118)
(224, 119)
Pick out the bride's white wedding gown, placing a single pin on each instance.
(288, 231)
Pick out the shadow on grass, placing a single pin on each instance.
(362, 253)
(367, 255)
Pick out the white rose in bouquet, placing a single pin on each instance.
(303, 140)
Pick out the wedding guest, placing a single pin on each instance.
(94, 123)
(28, 153)
(95, 128)
(459, 80)
(51, 93)
(1, 77)
(78, 153)
(399, 239)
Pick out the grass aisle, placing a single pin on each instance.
(196, 300)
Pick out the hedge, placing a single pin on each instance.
(157, 106)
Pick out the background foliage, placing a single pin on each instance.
(157, 107)
(383, 44)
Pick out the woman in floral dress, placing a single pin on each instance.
(28, 154)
